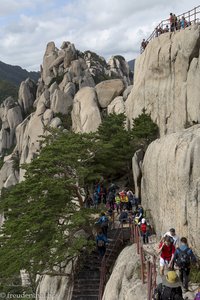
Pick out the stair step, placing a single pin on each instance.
(86, 292)
(86, 287)
(89, 297)
(85, 274)
(79, 280)
(87, 279)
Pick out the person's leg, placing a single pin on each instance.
(101, 251)
(103, 230)
(162, 266)
(147, 237)
(186, 278)
(143, 237)
(181, 275)
(106, 230)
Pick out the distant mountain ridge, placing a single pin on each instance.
(131, 64)
(15, 74)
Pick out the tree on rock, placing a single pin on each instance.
(45, 211)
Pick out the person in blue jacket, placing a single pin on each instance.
(103, 222)
(101, 241)
(183, 257)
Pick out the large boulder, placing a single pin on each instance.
(171, 183)
(85, 113)
(80, 74)
(127, 92)
(109, 89)
(117, 106)
(27, 94)
(61, 102)
(11, 117)
(166, 81)
(137, 171)
(119, 67)
(55, 287)
(124, 283)
(9, 175)
(50, 56)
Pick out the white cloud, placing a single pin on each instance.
(106, 27)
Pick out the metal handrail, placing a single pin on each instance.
(117, 237)
(146, 263)
(190, 16)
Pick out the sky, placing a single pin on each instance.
(107, 27)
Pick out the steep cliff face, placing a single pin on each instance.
(171, 183)
(166, 81)
(55, 287)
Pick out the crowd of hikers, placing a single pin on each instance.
(174, 252)
(122, 205)
(175, 24)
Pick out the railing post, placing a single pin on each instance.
(113, 220)
(155, 272)
(135, 239)
(195, 15)
(138, 241)
(142, 263)
(148, 280)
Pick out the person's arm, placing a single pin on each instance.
(172, 257)
(161, 245)
(192, 256)
(99, 221)
(175, 255)
(171, 261)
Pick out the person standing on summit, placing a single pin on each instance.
(172, 22)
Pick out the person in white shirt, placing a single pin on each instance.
(172, 234)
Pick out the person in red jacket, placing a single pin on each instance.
(166, 251)
(144, 230)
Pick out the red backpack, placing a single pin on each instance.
(143, 228)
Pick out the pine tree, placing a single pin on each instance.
(44, 212)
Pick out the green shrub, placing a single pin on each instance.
(195, 275)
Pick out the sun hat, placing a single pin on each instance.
(171, 280)
(143, 221)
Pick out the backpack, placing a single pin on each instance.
(100, 243)
(163, 292)
(143, 228)
(183, 258)
(171, 293)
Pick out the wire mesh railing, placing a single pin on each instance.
(172, 25)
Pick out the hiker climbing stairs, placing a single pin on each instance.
(87, 278)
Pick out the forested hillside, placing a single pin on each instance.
(16, 74)
(7, 89)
